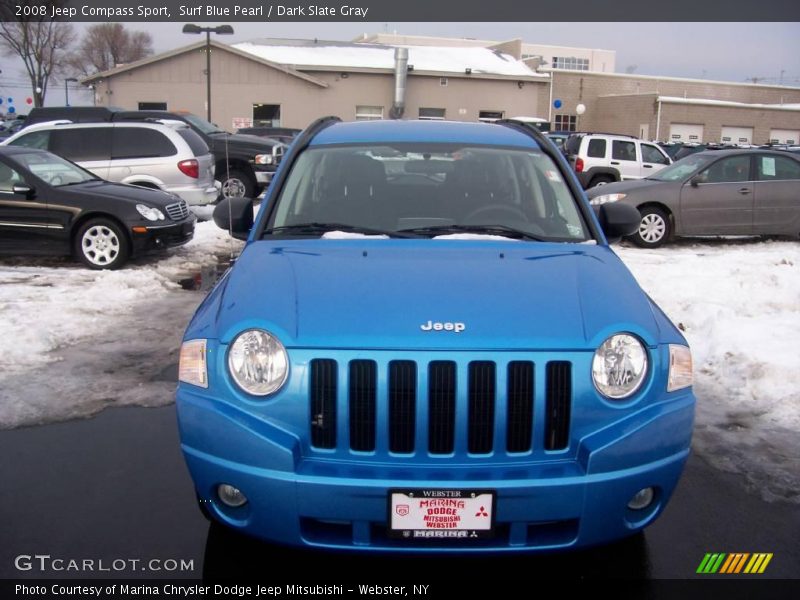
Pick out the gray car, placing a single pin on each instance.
(721, 192)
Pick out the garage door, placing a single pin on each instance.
(685, 132)
(737, 135)
(784, 136)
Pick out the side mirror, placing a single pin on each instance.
(23, 189)
(696, 180)
(617, 220)
(235, 215)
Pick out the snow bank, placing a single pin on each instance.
(739, 307)
(49, 304)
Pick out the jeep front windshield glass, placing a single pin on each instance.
(428, 190)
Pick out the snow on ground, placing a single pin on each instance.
(49, 304)
(73, 340)
(739, 306)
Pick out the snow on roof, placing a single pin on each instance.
(710, 102)
(378, 56)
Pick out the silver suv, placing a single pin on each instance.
(600, 158)
(164, 155)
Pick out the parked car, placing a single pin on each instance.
(163, 155)
(51, 206)
(427, 344)
(601, 158)
(559, 138)
(285, 135)
(720, 192)
(244, 164)
(10, 127)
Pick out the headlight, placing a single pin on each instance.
(264, 159)
(150, 213)
(258, 362)
(192, 363)
(680, 368)
(619, 366)
(606, 198)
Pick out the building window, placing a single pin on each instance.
(490, 116)
(431, 114)
(565, 122)
(152, 106)
(443, 81)
(369, 113)
(266, 115)
(571, 62)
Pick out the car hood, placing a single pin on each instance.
(379, 294)
(631, 185)
(120, 191)
(242, 141)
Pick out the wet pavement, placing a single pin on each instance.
(114, 487)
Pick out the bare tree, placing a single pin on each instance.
(42, 45)
(107, 45)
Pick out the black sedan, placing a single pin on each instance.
(719, 192)
(49, 205)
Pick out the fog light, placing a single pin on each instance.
(231, 496)
(641, 499)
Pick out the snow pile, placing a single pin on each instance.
(49, 304)
(739, 307)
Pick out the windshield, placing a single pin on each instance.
(427, 190)
(203, 125)
(53, 169)
(681, 169)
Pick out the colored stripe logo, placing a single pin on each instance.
(734, 563)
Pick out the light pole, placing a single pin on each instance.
(219, 30)
(67, 81)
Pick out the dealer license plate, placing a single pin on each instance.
(441, 514)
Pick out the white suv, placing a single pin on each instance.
(600, 158)
(164, 155)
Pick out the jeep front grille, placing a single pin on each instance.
(178, 211)
(496, 402)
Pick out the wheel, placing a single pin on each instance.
(655, 228)
(237, 184)
(101, 244)
(479, 215)
(601, 180)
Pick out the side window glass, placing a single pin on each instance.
(651, 154)
(597, 148)
(623, 150)
(138, 142)
(775, 168)
(8, 177)
(82, 144)
(728, 170)
(36, 139)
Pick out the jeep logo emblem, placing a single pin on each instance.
(437, 326)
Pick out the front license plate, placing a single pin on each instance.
(438, 514)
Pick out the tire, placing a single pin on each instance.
(655, 228)
(237, 184)
(601, 180)
(101, 244)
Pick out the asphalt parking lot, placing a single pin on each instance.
(114, 486)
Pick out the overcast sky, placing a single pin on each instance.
(720, 51)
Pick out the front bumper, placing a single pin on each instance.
(156, 236)
(263, 177)
(566, 500)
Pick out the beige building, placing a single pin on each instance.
(292, 82)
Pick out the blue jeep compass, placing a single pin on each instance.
(428, 345)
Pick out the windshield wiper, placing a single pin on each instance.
(322, 228)
(501, 230)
